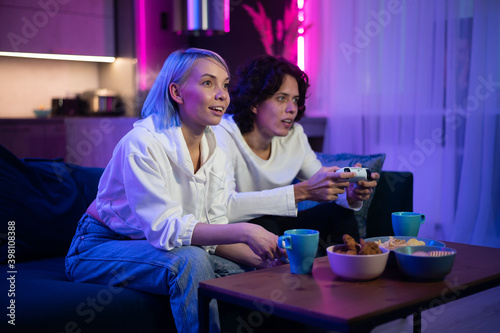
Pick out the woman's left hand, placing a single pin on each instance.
(362, 190)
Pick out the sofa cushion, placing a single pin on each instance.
(394, 194)
(373, 162)
(47, 302)
(42, 200)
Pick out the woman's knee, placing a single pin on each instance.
(193, 260)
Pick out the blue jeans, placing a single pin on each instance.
(99, 255)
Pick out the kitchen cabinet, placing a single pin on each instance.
(58, 26)
(37, 138)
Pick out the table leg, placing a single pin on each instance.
(417, 322)
(204, 312)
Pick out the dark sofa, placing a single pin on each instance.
(44, 199)
(41, 202)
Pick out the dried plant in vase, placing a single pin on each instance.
(282, 44)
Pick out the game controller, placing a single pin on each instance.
(361, 174)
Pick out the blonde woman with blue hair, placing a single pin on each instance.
(159, 217)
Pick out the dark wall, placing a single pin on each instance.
(243, 40)
(236, 47)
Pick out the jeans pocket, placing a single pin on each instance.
(93, 233)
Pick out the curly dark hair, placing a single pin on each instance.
(259, 80)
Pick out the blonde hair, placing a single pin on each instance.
(176, 69)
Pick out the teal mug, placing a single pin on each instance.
(407, 223)
(301, 246)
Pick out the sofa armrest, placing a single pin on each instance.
(394, 194)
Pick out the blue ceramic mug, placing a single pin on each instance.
(301, 246)
(407, 223)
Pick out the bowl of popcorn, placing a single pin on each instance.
(394, 242)
(425, 262)
(357, 261)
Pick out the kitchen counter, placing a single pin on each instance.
(34, 137)
(90, 141)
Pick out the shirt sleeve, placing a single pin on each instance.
(342, 202)
(244, 206)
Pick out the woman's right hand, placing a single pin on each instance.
(256, 247)
(262, 242)
(245, 243)
(324, 185)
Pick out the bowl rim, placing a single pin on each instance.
(42, 113)
(383, 249)
(437, 248)
(425, 239)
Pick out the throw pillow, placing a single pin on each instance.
(372, 162)
(41, 201)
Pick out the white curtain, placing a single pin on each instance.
(419, 81)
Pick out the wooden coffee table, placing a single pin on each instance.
(324, 300)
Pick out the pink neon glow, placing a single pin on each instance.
(226, 16)
(300, 39)
(300, 52)
(142, 45)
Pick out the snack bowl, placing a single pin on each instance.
(41, 113)
(427, 268)
(392, 257)
(357, 267)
